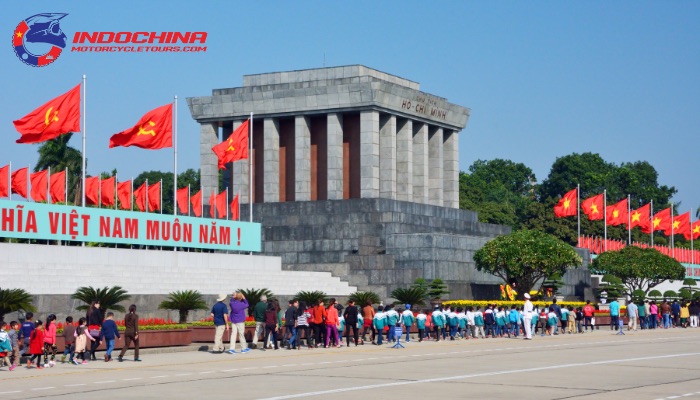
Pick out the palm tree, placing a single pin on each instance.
(311, 298)
(362, 298)
(59, 156)
(12, 300)
(253, 297)
(412, 295)
(184, 302)
(109, 297)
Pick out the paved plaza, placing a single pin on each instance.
(600, 365)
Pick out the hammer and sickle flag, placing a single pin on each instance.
(235, 147)
(153, 131)
(53, 119)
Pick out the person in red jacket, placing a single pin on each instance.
(588, 314)
(332, 323)
(320, 323)
(36, 345)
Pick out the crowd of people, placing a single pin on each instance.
(324, 325)
(36, 339)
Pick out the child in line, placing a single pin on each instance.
(36, 345)
(489, 322)
(552, 321)
(543, 322)
(572, 320)
(420, 323)
(50, 341)
(82, 334)
(453, 322)
(579, 320)
(501, 323)
(408, 319)
(68, 338)
(108, 332)
(438, 320)
(470, 322)
(479, 323)
(26, 332)
(514, 318)
(392, 318)
(462, 323)
(564, 319)
(379, 322)
(5, 347)
(13, 334)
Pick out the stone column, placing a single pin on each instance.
(420, 162)
(241, 174)
(208, 138)
(404, 160)
(450, 154)
(302, 158)
(369, 154)
(335, 156)
(435, 166)
(271, 157)
(387, 156)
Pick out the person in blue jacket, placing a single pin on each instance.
(407, 319)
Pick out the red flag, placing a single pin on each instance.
(154, 197)
(40, 185)
(107, 192)
(58, 116)
(124, 195)
(661, 220)
(234, 209)
(694, 231)
(182, 200)
(19, 182)
(617, 213)
(218, 203)
(680, 226)
(57, 187)
(594, 207)
(92, 190)
(153, 131)
(567, 206)
(5, 181)
(234, 148)
(140, 196)
(641, 217)
(196, 201)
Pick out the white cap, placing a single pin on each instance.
(527, 295)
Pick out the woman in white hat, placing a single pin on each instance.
(527, 317)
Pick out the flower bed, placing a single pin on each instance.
(508, 303)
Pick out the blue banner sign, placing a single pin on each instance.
(27, 220)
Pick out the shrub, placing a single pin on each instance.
(670, 294)
(656, 294)
(437, 288)
(311, 298)
(638, 296)
(184, 302)
(109, 297)
(253, 297)
(12, 300)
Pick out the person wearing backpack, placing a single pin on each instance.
(379, 322)
(271, 325)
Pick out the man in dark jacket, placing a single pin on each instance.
(290, 318)
(350, 316)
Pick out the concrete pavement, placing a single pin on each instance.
(640, 365)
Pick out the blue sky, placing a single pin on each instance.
(543, 79)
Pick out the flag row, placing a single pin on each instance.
(44, 186)
(620, 213)
(153, 131)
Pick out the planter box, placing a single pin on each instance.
(164, 338)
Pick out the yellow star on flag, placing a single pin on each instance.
(594, 209)
(657, 221)
(676, 224)
(696, 229)
(567, 202)
(635, 217)
(616, 213)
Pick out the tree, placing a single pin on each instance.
(109, 297)
(184, 302)
(412, 295)
(638, 296)
(524, 258)
(670, 294)
(253, 296)
(362, 298)
(638, 268)
(655, 294)
(437, 288)
(553, 283)
(12, 300)
(311, 298)
(612, 286)
(57, 155)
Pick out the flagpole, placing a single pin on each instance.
(116, 187)
(629, 220)
(250, 179)
(84, 108)
(99, 191)
(175, 162)
(578, 210)
(161, 195)
(239, 205)
(651, 220)
(132, 194)
(65, 188)
(673, 247)
(188, 199)
(48, 188)
(29, 182)
(9, 182)
(146, 205)
(692, 236)
(605, 216)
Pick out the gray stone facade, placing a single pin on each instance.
(368, 153)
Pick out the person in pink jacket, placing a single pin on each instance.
(332, 323)
(50, 341)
